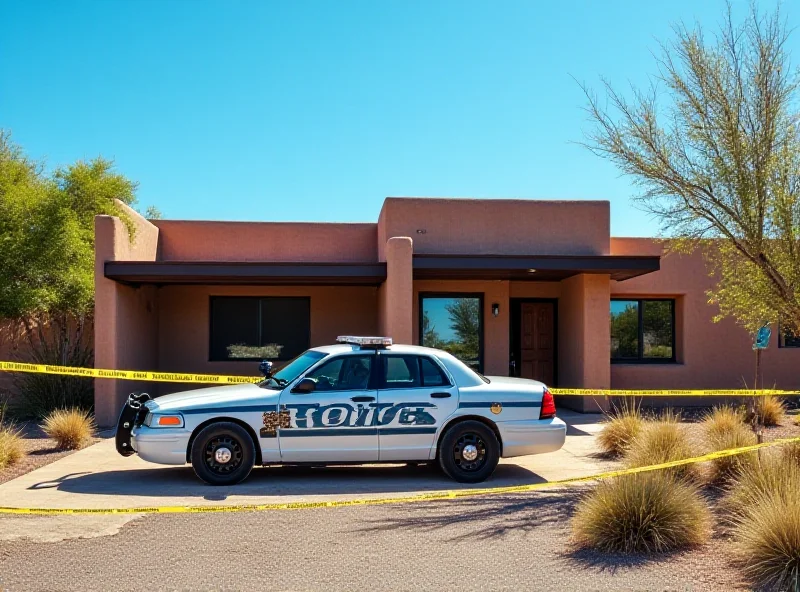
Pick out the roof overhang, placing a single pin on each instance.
(245, 273)
(541, 268)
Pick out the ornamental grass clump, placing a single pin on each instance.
(769, 409)
(663, 441)
(11, 445)
(722, 420)
(767, 540)
(727, 467)
(72, 429)
(623, 425)
(651, 512)
(773, 471)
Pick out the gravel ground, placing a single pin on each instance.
(40, 450)
(492, 543)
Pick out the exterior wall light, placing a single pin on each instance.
(495, 309)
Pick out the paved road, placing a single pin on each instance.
(489, 543)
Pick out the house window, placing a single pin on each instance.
(270, 328)
(643, 330)
(788, 338)
(454, 323)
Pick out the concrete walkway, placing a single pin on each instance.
(98, 477)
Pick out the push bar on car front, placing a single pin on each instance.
(132, 415)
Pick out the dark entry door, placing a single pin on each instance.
(537, 325)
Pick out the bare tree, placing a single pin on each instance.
(714, 145)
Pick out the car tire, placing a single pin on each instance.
(223, 453)
(469, 452)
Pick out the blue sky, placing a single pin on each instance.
(318, 110)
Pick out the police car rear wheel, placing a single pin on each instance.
(223, 454)
(469, 452)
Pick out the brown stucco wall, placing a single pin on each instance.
(126, 329)
(496, 226)
(710, 355)
(183, 240)
(183, 336)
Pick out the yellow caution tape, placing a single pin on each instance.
(223, 379)
(422, 497)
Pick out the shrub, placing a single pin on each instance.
(722, 420)
(791, 452)
(70, 428)
(767, 538)
(774, 471)
(624, 424)
(645, 513)
(769, 409)
(11, 445)
(729, 466)
(662, 441)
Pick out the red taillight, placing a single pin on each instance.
(548, 406)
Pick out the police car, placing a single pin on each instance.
(363, 400)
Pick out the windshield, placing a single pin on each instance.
(293, 369)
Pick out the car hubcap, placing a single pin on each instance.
(223, 454)
(469, 452)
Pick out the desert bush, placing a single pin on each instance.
(767, 539)
(645, 513)
(791, 452)
(724, 439)
(623, 425)
(773, 471)
(722, 420)
(11, 445)
(663, 441)
(769, 409)
(70, 428)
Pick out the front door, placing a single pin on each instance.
(334, 421)
(415, 398)
(537, 337)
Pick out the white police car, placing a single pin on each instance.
(362, 401)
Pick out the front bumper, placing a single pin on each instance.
(532, 436)
(131, 416)
(165, 446)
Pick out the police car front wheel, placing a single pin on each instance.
(223, 453)
(469, 452)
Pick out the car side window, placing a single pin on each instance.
(345, 373)
(400, 372)
(432, 375)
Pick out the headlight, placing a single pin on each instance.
(165, 420)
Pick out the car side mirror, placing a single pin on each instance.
(307, 385)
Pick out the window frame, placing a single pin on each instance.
(211, 300)
(418, 357)
(640, 359)
(481, 330)
(372, 384)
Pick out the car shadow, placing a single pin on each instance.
(282, 481)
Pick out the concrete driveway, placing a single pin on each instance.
(98, 477)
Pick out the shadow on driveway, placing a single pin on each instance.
(280, 481)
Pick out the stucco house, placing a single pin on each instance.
(537, 289)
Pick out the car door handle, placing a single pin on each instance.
(439, 395)
(362, 399)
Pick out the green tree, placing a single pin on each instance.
(714, 144)
(430, 336)
(464, 315)
(47, 262)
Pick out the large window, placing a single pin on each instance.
(454, 323)
(273, 328)
(788, 338)
(643, 330)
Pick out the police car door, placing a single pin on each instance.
(415, 398)
(332, 422)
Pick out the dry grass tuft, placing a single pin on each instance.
(791, 452)
(722, 420)
(770, 410)
(624, 424)
(645, 513)
(729, 467)
(70, 428)
(772, 472)
(767, 539)
(11, 446)
(663, 441)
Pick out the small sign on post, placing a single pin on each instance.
(762, 338)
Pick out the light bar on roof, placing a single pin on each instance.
(356, 340)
